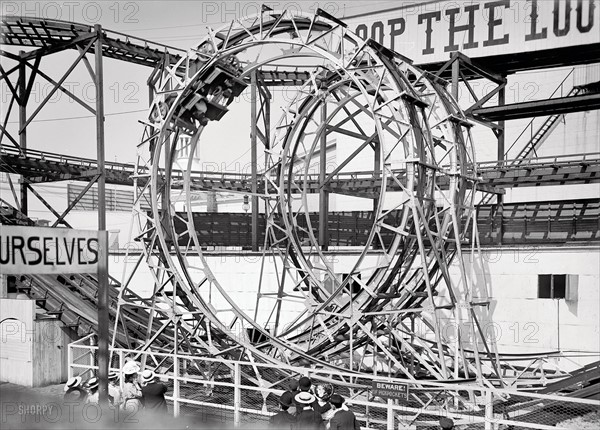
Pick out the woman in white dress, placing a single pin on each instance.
(132, 392)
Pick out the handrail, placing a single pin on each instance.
(585, 156)
(212, 175)
(89, 28)
(533, 119)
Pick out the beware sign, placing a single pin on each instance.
(389, 390)
(44, 250)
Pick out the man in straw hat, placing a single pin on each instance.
(153, 392)
(92, 386)
(342, 419)
(283, 419)
(307, 418)
(114, 391)
(73, 390)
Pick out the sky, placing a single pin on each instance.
(63, 126)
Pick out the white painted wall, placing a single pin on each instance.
(524, 323)
(529, 324)
(16, 341)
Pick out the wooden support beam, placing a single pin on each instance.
(22, 99)
(561, 105)
(254, 157)
(323, 193)
(103, 294)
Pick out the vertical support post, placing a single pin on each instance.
(557, 301)
(22, 89)
(376, 169)
(164, 202)
(455, 77)
(254, 157)
(176, 374)
(121, 363)
(237, 394)
(489, 410)
(390, 415)
(501, 102)
(323, 194)
(103, 299)
(69, 361)
(501, 144)
(150, 93)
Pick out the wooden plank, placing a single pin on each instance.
(47, 352)
(16, 353)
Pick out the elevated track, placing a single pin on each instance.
(39, 167)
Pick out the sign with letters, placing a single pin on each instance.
(389, 390)
(429, 31)
(43, 250)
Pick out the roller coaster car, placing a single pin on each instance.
(219, 81)
(223, 79)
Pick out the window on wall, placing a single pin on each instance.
(116, 200)
(353, 285)
(552, 286)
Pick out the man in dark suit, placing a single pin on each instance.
(446, 423)
(342, 419)
(306, 417)
(153, 393)
(283, 419)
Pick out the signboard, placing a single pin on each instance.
(40, 250)
(429, 31)
(389, 390)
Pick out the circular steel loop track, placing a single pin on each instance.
(392, 309)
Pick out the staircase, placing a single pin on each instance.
(73, 298)
(542, 133)
(537, 138)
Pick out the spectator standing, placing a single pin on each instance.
(294, 390)
(446, 423)
(283, 419)
(153, 392)
(323, 393)
(114, 391)
(74, 392)
(304, 386)
(307, 418)
(342, 418)
(92, 386)
(132, 392)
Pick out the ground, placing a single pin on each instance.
(589, 421)
(43, 408)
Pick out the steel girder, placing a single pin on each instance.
(393, 310)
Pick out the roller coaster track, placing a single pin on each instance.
(199, 325)
(41, 167)
(55, 35)
(73, 298)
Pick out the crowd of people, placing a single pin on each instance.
(308, 407)
(141, 390)
(303, 407)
